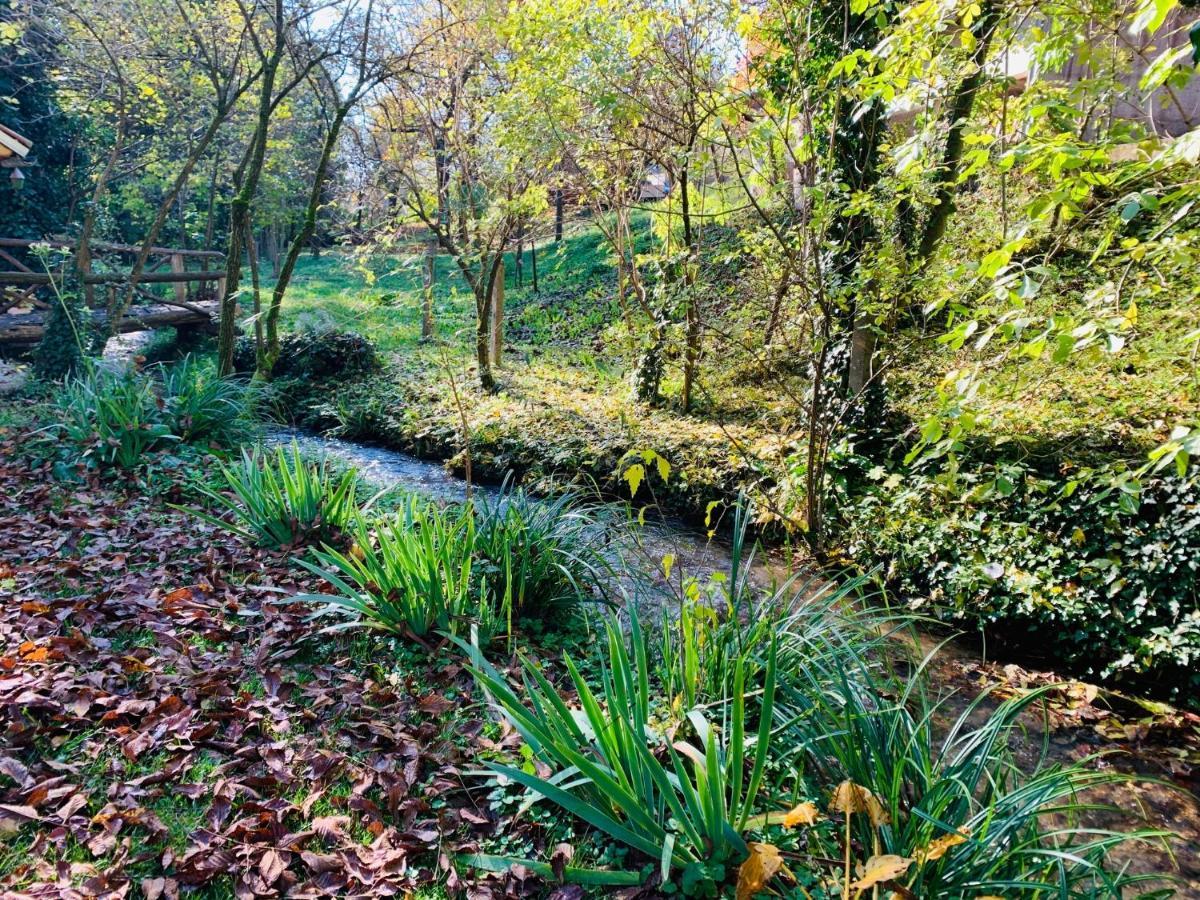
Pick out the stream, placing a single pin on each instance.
(956, 671)
(642, 576)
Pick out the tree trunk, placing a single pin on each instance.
(239, 209)
(267, 363)
(558, 215)
(483, 286)
(957, 117)
(497, 335)
(260, 344)
(533, 265)
(210, 215)
(691, 355)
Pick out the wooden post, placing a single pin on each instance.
(498, 315)
(181, 288)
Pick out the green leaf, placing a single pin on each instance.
(571, 874)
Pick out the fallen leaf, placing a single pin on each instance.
(763, 864)
(879, 869)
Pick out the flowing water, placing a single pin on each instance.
(654, 561)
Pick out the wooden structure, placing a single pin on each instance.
(13, 146)
(23, 312)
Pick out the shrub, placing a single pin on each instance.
(198, 404)
(1101, 571)
(109, 418)
(410, 574)
(280, 500)
(538, 557)
(311, 355)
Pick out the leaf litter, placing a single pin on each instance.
(166, 722)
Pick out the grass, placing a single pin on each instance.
(380, 296)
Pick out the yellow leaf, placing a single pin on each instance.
(763, 864)
(854, 798)
(937, 848)
(801, 814)
(880, 868)
(634, 475)
(664, 467)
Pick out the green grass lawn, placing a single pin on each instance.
(380, 295)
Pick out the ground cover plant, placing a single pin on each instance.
(281, 499)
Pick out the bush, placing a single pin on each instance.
(200, 405)
(313, 355)
(410, 574)
(1103, 572)
(538, 558)
(109, 418)
(281, 500)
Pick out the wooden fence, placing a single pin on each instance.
(23, 314)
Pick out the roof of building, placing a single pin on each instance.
(13, 144)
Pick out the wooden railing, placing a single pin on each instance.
(177, 259)
(164, 265)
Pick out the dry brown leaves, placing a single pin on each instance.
(153, 677)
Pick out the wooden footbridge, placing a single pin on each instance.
(196, 276)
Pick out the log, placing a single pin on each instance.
(26, 329)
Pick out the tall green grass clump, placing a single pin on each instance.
(720, 628)
(280, 500)
(793, 737)
(110, 417)
(200, 405)
(538, 558)
(682, 799)
(949, 802)
(409, 573)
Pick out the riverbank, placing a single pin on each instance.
(240, 656)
